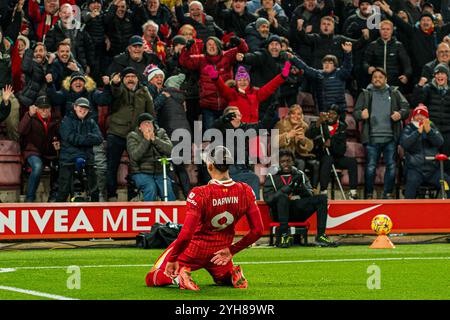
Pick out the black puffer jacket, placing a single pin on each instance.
(438, 103)
(391, 56)
(230, 21)
(322, 44)
(338, 140)
(82, 46)
(35, 84)
(424, 45)
(204, 30)
(124, 60)
(329, 87)
(118, 30)
(95, 27)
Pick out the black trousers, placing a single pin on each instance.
(66, 173)
(340, 163)
(285, 211)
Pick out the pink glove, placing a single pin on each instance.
(211, 72)
(286, 69)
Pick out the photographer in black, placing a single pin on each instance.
(290, 197)
(330, 142)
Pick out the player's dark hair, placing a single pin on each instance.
(221, 159)
(286, 152)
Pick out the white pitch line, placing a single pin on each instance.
(246, 262)
(36, 293)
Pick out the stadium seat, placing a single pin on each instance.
(350, 102)
(283, 112)
(299, 229)
(122, 173)
(10, 164)
(306, 101)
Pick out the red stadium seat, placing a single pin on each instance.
(10, 164)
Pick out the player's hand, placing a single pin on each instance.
(172, 269)
(222, 257)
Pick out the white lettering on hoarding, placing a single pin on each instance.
(137, 219)
(161, 215)
(109, 220)
(25, 222)
(61, 221)
(41, 222)
(81, 223)
(9, 222)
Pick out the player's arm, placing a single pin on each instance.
(256, 229)
(222, 257)
(191, 221)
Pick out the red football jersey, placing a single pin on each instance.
(212, 213)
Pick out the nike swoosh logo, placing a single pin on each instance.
(336, 221)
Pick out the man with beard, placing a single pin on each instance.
(130, 99)
(82, 47)
(436, 95)
(424, 37)
(257, 33)
(43, 21)
(442, 56)
(34, 67)
(381, 109)
(135, 57)
(63, 64)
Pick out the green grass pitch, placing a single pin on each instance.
(406, 272)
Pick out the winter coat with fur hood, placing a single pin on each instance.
(65, 97)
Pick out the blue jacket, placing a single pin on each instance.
(418, 146)
(78, 138)
(329, 88)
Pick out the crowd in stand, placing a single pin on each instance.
(83, 82)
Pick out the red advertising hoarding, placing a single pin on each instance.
(127, 219)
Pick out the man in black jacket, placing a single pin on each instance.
(82, 47)
(329, 134)
(290, 197)
(135, 57)
(425, 37)
(236, 18)
(389, 54)
(442, 56)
